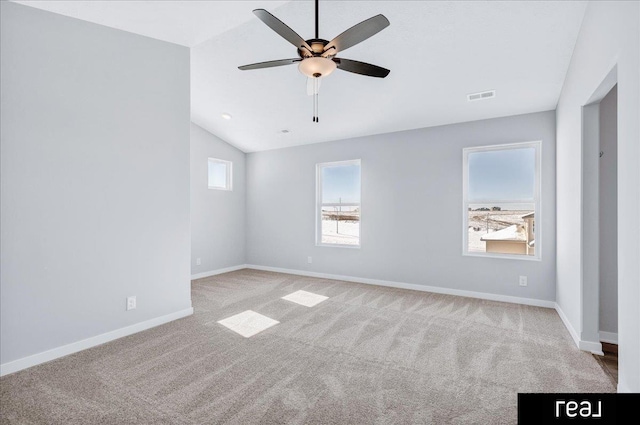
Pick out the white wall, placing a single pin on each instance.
(217, 216)
(95, 180)
(411, 229)
(608, 217)
(609, 37)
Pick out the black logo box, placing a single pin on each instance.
(571, 408)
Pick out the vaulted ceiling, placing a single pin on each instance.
(438, 52)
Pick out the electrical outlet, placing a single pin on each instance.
(309, 260)
(131, 303)
(198, 261)
(523, 281)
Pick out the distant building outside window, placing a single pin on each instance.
(220, 174)
(501, 207)
(338, 204)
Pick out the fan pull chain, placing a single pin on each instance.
(315, 99)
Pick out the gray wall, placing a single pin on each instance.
(608, 181)
(95, 180)
(217, 216)
(609, 37)
(411, 229)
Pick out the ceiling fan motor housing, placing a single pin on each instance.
(316, 63)
(317, 48)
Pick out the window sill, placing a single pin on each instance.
(335, 245)
(503, 256)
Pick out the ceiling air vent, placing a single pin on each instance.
(481, 96)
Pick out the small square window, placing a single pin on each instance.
(220, 174)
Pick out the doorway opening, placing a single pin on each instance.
(599, 319)
(608, 231)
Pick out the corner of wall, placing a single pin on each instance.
(568, 325)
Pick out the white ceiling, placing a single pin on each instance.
(185, 22)
(438, 52)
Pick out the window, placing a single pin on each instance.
(220, 174)
(338, 204)
(501, 207)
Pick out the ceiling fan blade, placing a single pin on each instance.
(281, 28)
(312, 88)
(361, 68)
(269, 64)
(358, 33)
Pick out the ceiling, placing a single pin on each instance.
(185, 22)
(438, 52)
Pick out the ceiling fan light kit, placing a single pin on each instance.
(317, 66)
(317, 57)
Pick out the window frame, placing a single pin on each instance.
(319, 204)
(229, 174)
(537, 200)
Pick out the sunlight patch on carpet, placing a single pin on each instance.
(307, 299)
(248, 323)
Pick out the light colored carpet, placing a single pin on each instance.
(367, 355)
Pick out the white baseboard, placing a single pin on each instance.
(610, 337)
(568, 325)
(594, 347)
(218, 271)
(65, 350)
(413, 286)
(622, 388)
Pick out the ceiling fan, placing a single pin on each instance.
(317, 57)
